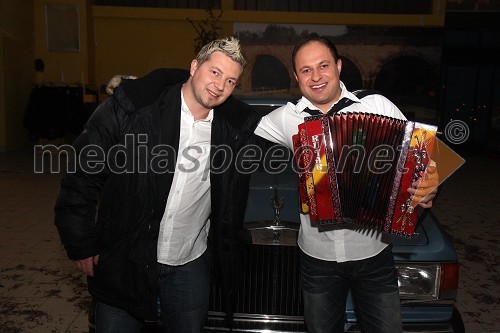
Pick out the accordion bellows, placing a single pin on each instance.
(357, 167)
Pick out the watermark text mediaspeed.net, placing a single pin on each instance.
(136, 156)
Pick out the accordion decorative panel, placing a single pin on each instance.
(357, 167)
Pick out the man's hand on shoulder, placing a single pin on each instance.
(116, 81)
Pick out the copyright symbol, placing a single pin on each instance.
(456, 131)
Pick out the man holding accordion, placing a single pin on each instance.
(340, 257)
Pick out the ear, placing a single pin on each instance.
(296, 77)
(194, 67)
(339, 66)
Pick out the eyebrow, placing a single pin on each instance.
(322, 62)
(222, 72)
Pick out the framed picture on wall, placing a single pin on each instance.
(62, 27)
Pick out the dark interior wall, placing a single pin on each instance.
(471, 76)
(16, 71)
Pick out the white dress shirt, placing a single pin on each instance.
(345, 242)
(185, 223)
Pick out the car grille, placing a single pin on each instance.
(270, 298)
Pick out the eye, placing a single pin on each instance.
(306, 71)
(215, 73)
(324, 66)
(231, 82)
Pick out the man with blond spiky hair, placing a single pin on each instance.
(148, 159)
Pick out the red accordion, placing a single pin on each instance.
(357, 167)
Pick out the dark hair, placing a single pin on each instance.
(315, 38)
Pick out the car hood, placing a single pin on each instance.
(274, 198)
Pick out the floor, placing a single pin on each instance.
(41, 291)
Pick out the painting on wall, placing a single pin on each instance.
(402, 63)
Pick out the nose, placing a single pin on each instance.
(316, 75)
(219, 84)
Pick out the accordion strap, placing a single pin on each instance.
(343, 103)
(365, 92)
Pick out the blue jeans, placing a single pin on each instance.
(373, 283)
(109, 319)
(184, 292)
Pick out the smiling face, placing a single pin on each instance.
(318, 75)
(211, 82)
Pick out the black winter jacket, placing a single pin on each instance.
(127, 131)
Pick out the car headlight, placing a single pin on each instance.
(419, 281)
